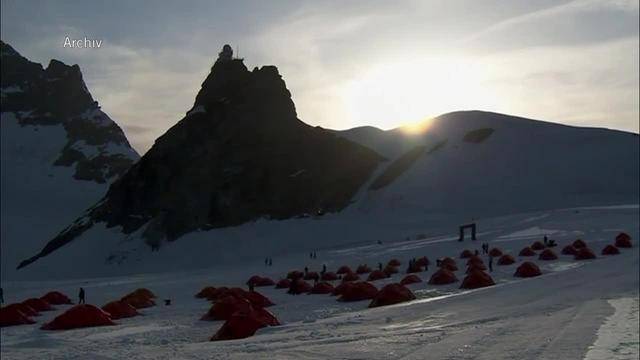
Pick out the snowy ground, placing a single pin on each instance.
(575, 310)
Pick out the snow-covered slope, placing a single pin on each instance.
(59, 153)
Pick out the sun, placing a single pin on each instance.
(397, 93)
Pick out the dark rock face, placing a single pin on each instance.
(239, 155)
(57, 95)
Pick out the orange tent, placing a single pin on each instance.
(56, 298)
(465, 254)
(527, 251)
(120, 310)
(256, 299)
(548, 254)
(623, 240)
(414, 268)
(223, 308)
(363, 269)
(579, 244)
(394, 262)
(569, 250)
(295, 274)
(205, 292)
(477, 279)
(79, 316)
(449, 264)
(301, 286)
(217, 293)
(358, 291)
(476, 266)
(475, 259)
(38, 304)
(260, 281)
(344, 269)
(350, 277)
(377, 275)
(144, 292)
(11, 316)
(243, 324)
(23, 308)
(139, 299)
(392, 294)
(442, 277)
(322, 288)
(527, 269)
(338, 290)
(329, 276)
(506, 259)
(585, 254)
(411, 279)
(422, 261)
(537, 245)
(610, 250)
(390, 270)
(283, 284)
(495, 252)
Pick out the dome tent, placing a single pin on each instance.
(329, 276)
(363, 269)
(537, 245)
(506, 259)
(206, 292)
(442, 277)
(465, 254)
(623, 240)
(258, 281)
(295, 274)
(283, 284)
(322, 288)
(527, 251)
(449, 264)
(423, 261)
(477, 279)
(392, 294)
(527, 269)
(12, 316)
(394, 262)
(243, 324)
(358, 291)
(475, 259)
(585, 254)
(377, 275)
(120, 309)
(610, 250)
(579, 244)
(548, 254)
(299, 286)
(476, 266)
(138, 300)
(23, 308)
(56, 298)
(225, 307)
(344, 269)
(38, 304)
(410, 279)
(569, 250)
(390, 270)
(350, 277)
(79, 316)
(311, 275)
(495, 252)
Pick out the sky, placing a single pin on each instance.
(350, 63)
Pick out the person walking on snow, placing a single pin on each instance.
(81, 296)
(324, 269)
(270, 262)
(490, 263)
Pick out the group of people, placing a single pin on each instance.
(313, 255)
(485, 248)
(268, 261)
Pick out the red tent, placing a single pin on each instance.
(537, 245)
(548, 254)
(392, 294)
(338, 290)
(465, 254)
(283, 284)
(344, 269)
(527, 269)
(390, 270)
(244, 324)
(223, 308)
(527, 251)
(11, 316)
(350, 277)
(495, 252)
(506, 259)
(79, 316)
(585, 254)
(120, 310)
(411, 279)
(329, 276)
(477, 279)
(56, 298)
(358, 291)
(295, 274)
(322, 288)
(217, 293)
(23, 308)
(38, 304)
(363, 269)
(257, 300)
(569, 250)
(206, 292)
(422, 261)
(312, 275)
(299, 287)
(623, 240)
(442, 277)
(138, 300)
(476, 266)
(579, 244)
(610, 250)
(414, 268)
(377, 275)
(260, 281)
(475, 259)
(144, 292)
(449, 264)
(394, 262)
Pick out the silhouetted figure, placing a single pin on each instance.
(81, 296)
(266, 261)
(490, 263)
(324, 269)
(251, 286)
(226, 54)
(1, 296)
(306, 270)
(293, 288)
(545, 240)
(270, 262)
(380, 266)
(315, 255)
(311, 255)
(438, 262)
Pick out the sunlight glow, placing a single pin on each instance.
(395, 93)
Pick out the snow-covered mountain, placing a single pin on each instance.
(239, 175)
(59, 152)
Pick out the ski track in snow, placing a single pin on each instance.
(566, 313)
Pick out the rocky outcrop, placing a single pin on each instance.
(239, 154)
